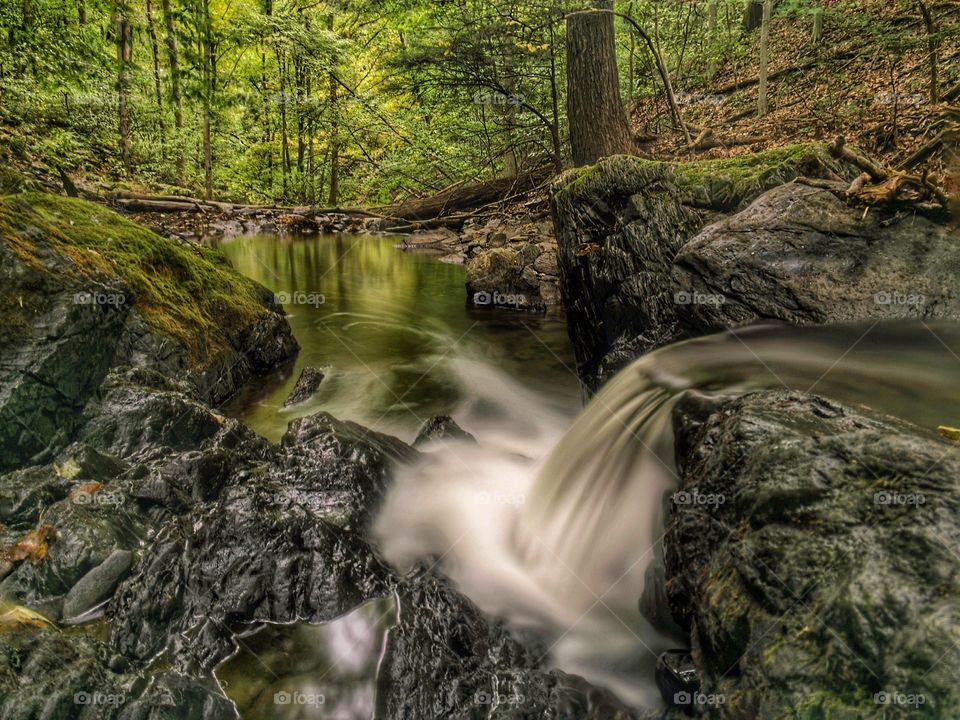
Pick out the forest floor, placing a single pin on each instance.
(848, 84)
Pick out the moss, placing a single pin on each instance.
(742, 169)
(188, 293)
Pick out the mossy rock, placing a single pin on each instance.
(183, 291)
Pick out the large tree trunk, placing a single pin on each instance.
(753, 14)
(598, 123)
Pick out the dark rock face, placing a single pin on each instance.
(307, 384)
(825, 582)
(54, 362)
(441, 427)
(644, 263)
(446, 659)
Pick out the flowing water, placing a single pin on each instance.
(552, 523)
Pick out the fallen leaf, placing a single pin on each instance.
(69, 470)
(12, 615)
(85, 489)
(950, 433)
(33, 545)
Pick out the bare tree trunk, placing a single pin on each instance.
(124, 41)
(712, 39)
(555, 104)
(817, 35)
(931, 28)
(334, 196)
(175, 97)
(155, 51)
(210, 82)
(598, 123)
(762, 105)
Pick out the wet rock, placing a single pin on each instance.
(98, 584)
(495, 279)
(307, 384)
(441, 427)
(47, 673)
(446, 659)
(640, 267)
(677, 678)
(822, 579)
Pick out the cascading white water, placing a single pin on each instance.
(559, 531)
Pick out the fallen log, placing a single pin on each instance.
(466, 197)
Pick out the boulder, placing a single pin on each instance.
(441, 427)
(495, 279)
(643, 264)
(825, 584)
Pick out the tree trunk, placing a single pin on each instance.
(124, 31)
(334, 196)
(817, 35)
(175, 96)
(210, 82)
(931, 28)
(155, 51)
(712, 39)
(753, 14)
(598, 123)
(762, 105)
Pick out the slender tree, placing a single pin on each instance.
(762, 105)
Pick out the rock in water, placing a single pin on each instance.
(307, 384)
(441, 427)
(825, 583)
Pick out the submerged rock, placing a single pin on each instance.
(307, 384)
(441, 427)
(825, 584)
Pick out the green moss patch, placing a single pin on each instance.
(186, 292)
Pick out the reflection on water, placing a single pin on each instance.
(304, 671)
(389, 328)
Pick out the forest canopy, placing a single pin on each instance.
(372, 101)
